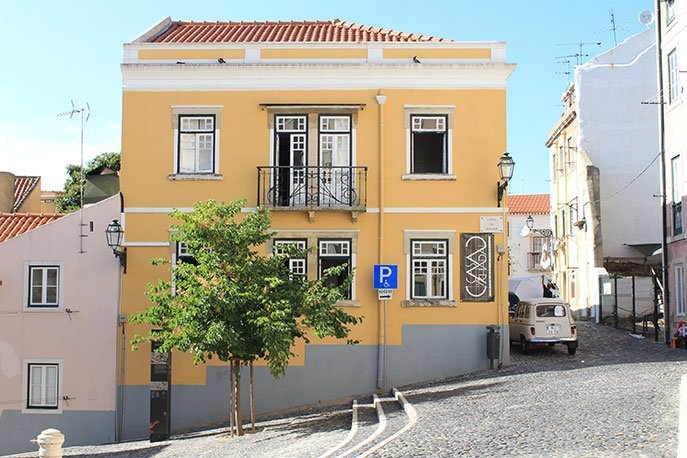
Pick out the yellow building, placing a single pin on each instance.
(372, 147)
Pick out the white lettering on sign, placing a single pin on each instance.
(491, 224)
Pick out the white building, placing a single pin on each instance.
(605, 174)
(525, 251)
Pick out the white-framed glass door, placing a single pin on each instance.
(336, 179)
(289, 180)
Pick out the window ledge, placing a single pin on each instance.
(348, 303)
(429, 303)
(196, 177)
(428, 177)
(47, 309)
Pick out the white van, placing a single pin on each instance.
(542, 322)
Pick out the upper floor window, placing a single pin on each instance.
(569, 150)
(673, 77)
(42, 386)
(670, 11)
(429, 264)
(680, 289)
(196, 144)
(44, 284)
(332, 253)
(429, 149)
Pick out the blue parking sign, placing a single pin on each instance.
(385, 276)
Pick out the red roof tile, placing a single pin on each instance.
(22, 188)
(528, 204)
(282, 32)
(14, 224)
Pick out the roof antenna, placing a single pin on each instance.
(578, 54)
(81, 110)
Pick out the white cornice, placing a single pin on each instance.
(315, 45)
(203, 77)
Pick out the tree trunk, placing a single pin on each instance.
(232, 410)
(252, 404)
(239, 423)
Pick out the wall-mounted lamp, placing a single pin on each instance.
(530, 225)
(506, 167)
(114, 235)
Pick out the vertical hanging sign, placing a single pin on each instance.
(477, 267)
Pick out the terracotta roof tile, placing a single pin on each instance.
(528, 204)
(14, 224)
(335, 31)
(22, 188)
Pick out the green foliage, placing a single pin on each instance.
(71, 199)
(236, 302)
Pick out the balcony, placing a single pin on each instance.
(313, 188)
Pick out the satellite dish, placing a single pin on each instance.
(646, 17)
(525, 231)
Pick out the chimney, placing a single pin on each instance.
(6, 192)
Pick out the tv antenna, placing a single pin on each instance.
(580, 52)
(614, 28)
(564, 60)
(80, 110)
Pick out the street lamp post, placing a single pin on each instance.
(530, 225)
(115, 235)
(506, 167)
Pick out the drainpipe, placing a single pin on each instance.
(662, 153)
(381, 309)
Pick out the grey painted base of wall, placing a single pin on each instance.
(80, 427)
(332, 372)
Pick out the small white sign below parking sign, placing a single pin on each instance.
(384, 294)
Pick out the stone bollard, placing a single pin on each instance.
(49, 443)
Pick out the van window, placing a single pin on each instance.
(527, 311)
(550, 311)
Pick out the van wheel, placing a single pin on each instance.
(524, 348)
(572, 348)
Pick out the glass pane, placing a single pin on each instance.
(36, 276)
(196, 124)
(52, 277)
(420, 286)
(51, 295)
(429, 123)
(429, 248)
(37, 295)
(438, 279)
(205, 153)
(334, 248)
(335, 123)
(291, 124)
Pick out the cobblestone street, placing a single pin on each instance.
(618, 396)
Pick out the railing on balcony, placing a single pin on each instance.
(534, 261)
(677, 218)
(312, 187)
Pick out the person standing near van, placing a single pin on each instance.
(547, 287)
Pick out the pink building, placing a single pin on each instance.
(58, 313)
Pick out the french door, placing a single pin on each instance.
(335, 177)
(290, 177)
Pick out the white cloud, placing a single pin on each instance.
(45, 148)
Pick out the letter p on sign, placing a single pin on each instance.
(385, 276)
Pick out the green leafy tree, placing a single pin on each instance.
(236, 304)
(71, 199)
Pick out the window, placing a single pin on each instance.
(429, 144)
(184, 255)
(332, 253)
(196, 144)
(670, 11)
(673, 76)
(675, 176)
(42, 386)
(563, 228)
(44, 283)
(561, 158)
(569, 149)
(297, 265)
(679, 289)
(429, 264)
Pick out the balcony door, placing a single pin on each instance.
(289, 186)
(335, 173)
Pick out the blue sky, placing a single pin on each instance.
(57, 51)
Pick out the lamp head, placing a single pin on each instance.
(530, 222)
(114, 234)
(506, 167)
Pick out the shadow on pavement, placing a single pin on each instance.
(143, 452)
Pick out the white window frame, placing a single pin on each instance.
(673, 77)
(679, 290)
(447, 160)
(670, 11)
(347, 251)
(297, 266)
(26, 379)
(419, 257)
(27, 306)
(198, 133)
(676, 179)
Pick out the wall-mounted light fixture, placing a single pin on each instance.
(506, 167)
(530, 225)
(115, 235)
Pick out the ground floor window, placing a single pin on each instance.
(429, 264)
(42, 386)
(332, 253)
(297, 264)
(680, 289)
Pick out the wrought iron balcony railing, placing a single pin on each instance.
(310, 188)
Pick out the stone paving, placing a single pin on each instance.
(617, 397)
